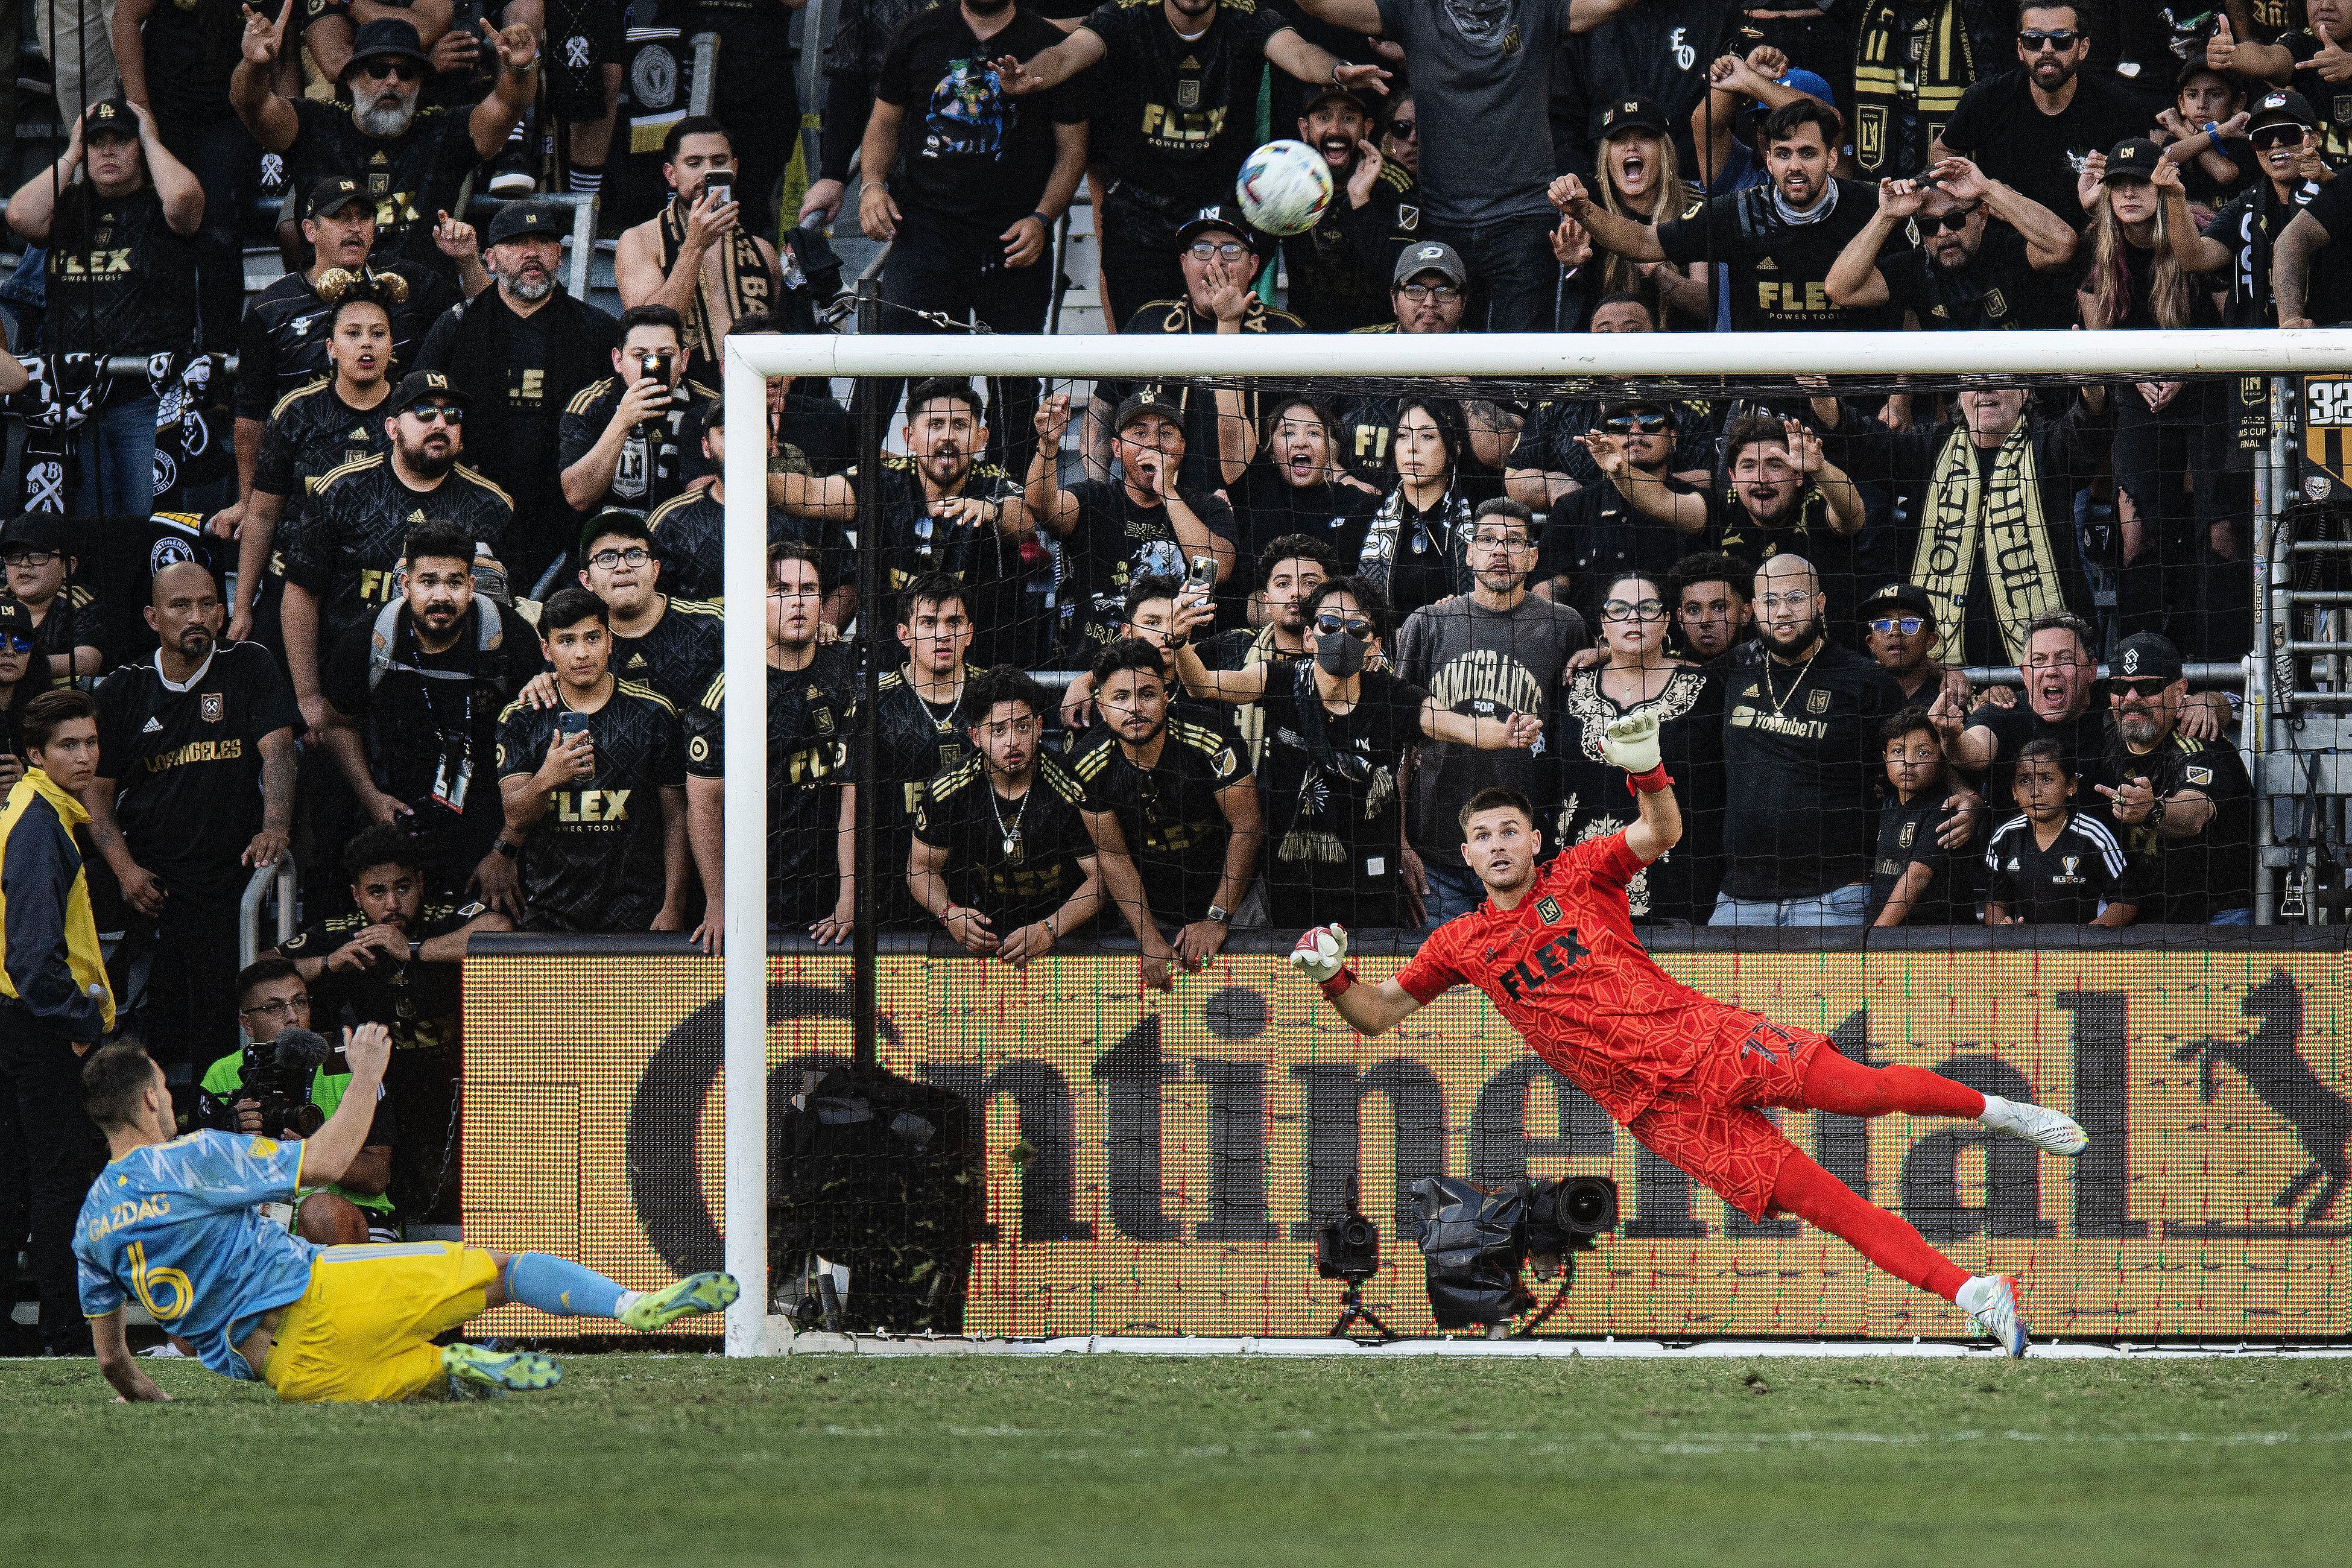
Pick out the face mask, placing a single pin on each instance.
(1339, 654)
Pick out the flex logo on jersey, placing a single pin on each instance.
(1790, 297)
(593, 805)
(1549, 961)
(1170, 129)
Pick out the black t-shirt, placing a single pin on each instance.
(1907, 836)
(120, 281)
(1596, 535)
(2331, 100)
(1341, 270)
(1997, 289)
(2039, 154)
(1267, 508)
(2084, 736)
(689, 539)
(914, 543)
(412, 178)
(282, 346)
(1800, 743)
(1174, 117)
(70, 621)
(310, 434)
(970, 155)
(809, 713)
(355, 526)
(962, 813)
(650, 470)
(2250, 226)
(913, 740)
(1333, 831)
(1779, 271)
(417, 1002)
(679, 655)
(595, 862)
(1114, 541)
(2327, 296)
(1175, 830)
(2066, 883)
(186, 764)
(1805, 527)
(1196, 401)
(2190, 879)
(191, 49)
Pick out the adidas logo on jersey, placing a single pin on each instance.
(151, 728)
(1767, 264)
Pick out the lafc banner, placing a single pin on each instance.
(1156, 1164)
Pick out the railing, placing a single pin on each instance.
(248, 909)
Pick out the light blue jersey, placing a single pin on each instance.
(175, 1226)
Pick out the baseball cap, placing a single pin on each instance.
(1810, 83)
(332, 195)
(420, 385)
(16, 620)
(2133, 158)
(2282, 103)
(1904, 596)
(1146, 400)
(517, 219)
(1331, 91)
(1430, 255)
(34, 530)
(1633, 114)
(1223, 215)
(2145, 656)
(110, 117)
(388, 35)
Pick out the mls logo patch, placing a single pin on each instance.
(212, 707)
(1408, 218)
(1548, 911)
(2200, 776)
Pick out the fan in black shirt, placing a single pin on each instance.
(2238, 243)
(2057, 864)
(1296, 486)
(2184, 806)
(670, 644)
(1599, 534)
(62, 617)
(1918, 880)
(1782, 493)
(595, 788)
(689, 530)
(1339, 269)
(1980, 244)
(2060, 706)
(619, 444)
(2032, 127)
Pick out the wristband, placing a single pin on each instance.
(1338, 984)
(1041, 217)
(1650, 783)
(2212, 132)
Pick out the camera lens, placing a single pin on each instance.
(1588, 1207)
(1358, 1234)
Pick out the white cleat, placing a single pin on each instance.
(2051, 1131)
(2000, 1318)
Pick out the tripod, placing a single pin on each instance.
(1353, 1311)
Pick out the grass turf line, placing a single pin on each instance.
(1040, 1462)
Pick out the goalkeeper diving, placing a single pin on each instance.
(174, 1224)
(1554, 950)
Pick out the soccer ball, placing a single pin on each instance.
(1284, 187)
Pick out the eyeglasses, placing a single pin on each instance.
(1404, 129)
(1490, 540)
(16, 644)
(392, 69)
(2052, 661)
(1357, 627)
(1634, 610)
(1887, 626)
(278, 1007)
(1205, 250)
(1637, 424)
(2146, 685)
(607, 559)
(28, 557)
(2270, 137)
(1444, 293)
(1951, 222)
(1784, 601)
(2034, 40)
(426, 413)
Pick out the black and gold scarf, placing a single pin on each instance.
(742, 274)
(2000, 519)
(1912, 62)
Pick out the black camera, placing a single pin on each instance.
(277, 1078)
(2190, 34)
(1475, 1240)
(1349, 1247)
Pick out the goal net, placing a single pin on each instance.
(1093, 670)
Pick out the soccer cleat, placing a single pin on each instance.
(2000, 1317)
(2053, 1131)
(478, 1373)
(694, 1294)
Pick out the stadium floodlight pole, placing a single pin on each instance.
(745, 719)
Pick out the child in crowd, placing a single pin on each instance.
(1915, 880)
(2055, 865)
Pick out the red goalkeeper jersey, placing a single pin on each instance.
(1564, 968)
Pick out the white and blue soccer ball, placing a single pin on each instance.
(1283, 188)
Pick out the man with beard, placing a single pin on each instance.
(2030, 127)
(1002, 858)
(619, 442)
(944, 510)
(660, 641)
(1980, 244)
(1289, 569)
(1552, 460)
(812, 813)
(412, 161)
(1337, 268)
(695, 256)
(194, 788)
(1994, 542)
(1173, 810)
(689, 530)
(1778, 240)
(920, 724)
(344, 564)
(1597, 534)
(1712, 598)
(1177, 115)
(1428, 292)
(283, 346)
(413, 699)
(524, 351)
(1800, 743)
(1781, 493)
(2186, 805)
(1149, 619)
(595, 788)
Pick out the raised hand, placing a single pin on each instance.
(1768, 62)
(1014, 78)
(1632, 743)
(1321, 953)
(1367, 175)
(2235, 126)
(1959, 179)
(2087, 183)
(455, 237)
(264, 37)
(1805, 447)
(2133, 800)
(1607, 451)
(1568, 194)
(1051, 418)
(2331, 62)
(517, 45)
(1572, 243)
(1228, 300)
(1364, 78)
(1900, 199)
(2221, 47)
(2166, 177)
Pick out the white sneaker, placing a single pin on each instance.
(2053, 1131)
(1998, 1317)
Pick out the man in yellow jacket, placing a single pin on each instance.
(54, 1002)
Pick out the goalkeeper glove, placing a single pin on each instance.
(1322, 956)
(1632, 744)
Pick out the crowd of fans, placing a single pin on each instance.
(453, 631)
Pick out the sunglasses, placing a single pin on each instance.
(2034, 40)
(2147, 686)
(1634, 610)
(1887, 626)
(426, 413)
(1951, 222)
(1357, 627)
(393, 69)
(17, 644)
(1637, 424)
(2271, 137)
(1404, 129)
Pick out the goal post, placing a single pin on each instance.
(1788, 362)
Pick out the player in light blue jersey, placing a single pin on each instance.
(174, 1224)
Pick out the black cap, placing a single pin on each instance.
(16, 620)
(1633, 114)
(1612, 407)
(2282, 104)
(36, 530)
(2133, 158)
(1902, 596)
(1146, 399)
(1332, 89)
(517, 219)
(332, 195)
(1430, 256)
(1225, 217)
(386, 36)
(110, 117)
(2196, 63)
(2145, 656)
(420, 385)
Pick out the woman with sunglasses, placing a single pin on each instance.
(1337, 726)
(1413, 549)
(1638, 678)
(1401, 142)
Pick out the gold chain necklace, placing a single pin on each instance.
(1780, 702)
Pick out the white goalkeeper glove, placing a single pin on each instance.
(1321, 953)
(1632, 743)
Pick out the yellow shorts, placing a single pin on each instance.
(365, 1329)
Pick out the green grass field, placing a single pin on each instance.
(1032, 1462)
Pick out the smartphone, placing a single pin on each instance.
(719, 183)
(1202, 577)
(569, 723)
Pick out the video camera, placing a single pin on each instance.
(1349, 1247)
(1475, 1240)
(277, 1078)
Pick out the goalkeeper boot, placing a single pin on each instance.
(694, 1294)
(478, 1373)
(2053, 1131)
(1990, 1302)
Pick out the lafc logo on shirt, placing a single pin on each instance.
(593, 805)
(1552, 959)
(1548, 911)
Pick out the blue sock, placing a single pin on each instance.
(557, 1285)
